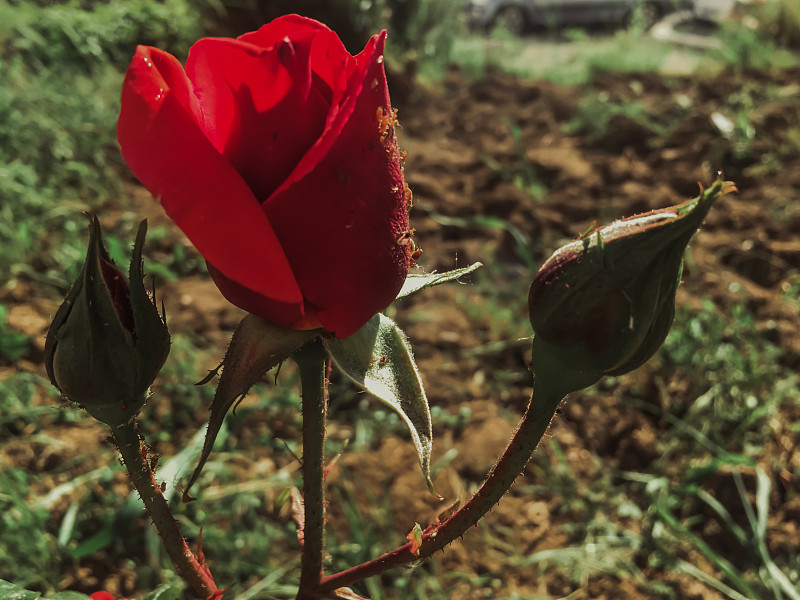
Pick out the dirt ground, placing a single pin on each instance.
(748, 253)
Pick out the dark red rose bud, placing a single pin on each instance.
(107, 341)
(603, 304)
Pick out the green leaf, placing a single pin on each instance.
(177, 467)
(68, 524)
(10, 591)
(99, 541)
(416, 282)
(256, 346)
(168, 591)
(378, 359)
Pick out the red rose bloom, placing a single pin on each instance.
(275, 153)
(102, 596)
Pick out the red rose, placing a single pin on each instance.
(102, 596)
(275, 153)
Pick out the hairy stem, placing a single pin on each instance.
(192, 570)
(551, 387)
(311, 360)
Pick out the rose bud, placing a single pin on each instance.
(107, 341)
(603, 304)
(275, 153)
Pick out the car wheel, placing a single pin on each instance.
(644, 15)
(511, 18)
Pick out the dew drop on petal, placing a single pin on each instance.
(380, 59)
(374, 84)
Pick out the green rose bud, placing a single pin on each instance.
(603, 304)
(107, 341)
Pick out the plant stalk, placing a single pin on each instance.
(552, 384)
(312, 361)
(192, 570)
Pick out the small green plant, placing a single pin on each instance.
(13, 344)
(743, 47)
(780, 20)
(594, 119)
(523, 176)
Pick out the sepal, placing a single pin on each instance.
(419, 281)
(378, 359)
(256, 347)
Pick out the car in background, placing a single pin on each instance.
(519, 16)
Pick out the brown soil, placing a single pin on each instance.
(748, 253)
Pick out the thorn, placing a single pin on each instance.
(329, 467)
(238, 401)
(211, 374)
(201, 558)
(289, 450)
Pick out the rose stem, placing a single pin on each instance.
(547, 396)
(190, 569)
(312, 363)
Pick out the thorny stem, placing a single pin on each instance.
(551, 387)
(312, 361)
(192, 570)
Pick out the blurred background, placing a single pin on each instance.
(525, 122)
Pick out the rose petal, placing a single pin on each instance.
(355, 226)
(261, 306)
(216, 89)
(161, 133)
(267, 112)
(294, 26)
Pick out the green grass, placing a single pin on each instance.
(738, 383)
(85, 35)
(626, 51)
(61, 73)
(56, 158)
(567, 64)
(29, 556)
